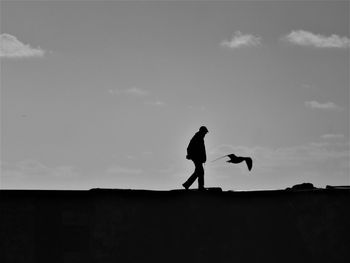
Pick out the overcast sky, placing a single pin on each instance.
(108, 94)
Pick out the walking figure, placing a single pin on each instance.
(196, 153)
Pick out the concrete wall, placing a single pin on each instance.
(177, 226)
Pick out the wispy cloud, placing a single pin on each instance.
(312, 158)
(332, 136)
(322, 106)
(197, 108)
(136, 91)
(33, 169)
(11, 47)
(121, 170)
(133, 91)
(310, 87)
(241, 40)
(305, 38)
(143, 94)
(157, 103)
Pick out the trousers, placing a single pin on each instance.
(198, 173)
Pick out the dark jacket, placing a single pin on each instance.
(196, 149)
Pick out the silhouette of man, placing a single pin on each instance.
(196, 153)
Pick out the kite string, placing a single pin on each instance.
(219, 158)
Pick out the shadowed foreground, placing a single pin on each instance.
(174, 226)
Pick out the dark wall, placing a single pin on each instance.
(144, 226)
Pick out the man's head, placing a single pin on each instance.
(203, 130)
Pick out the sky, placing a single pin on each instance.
(107, 94)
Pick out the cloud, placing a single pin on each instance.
(121, 170)
(114, 91)
(32, 168)
(133, 91)
(332, 136)
(305, 38)
(240, 40)
(11, 47)
(313, 158)
(322, 106)
(156, 103)
(136, 92)
(309, 86)
(197, 108)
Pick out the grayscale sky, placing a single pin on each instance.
(108, 93)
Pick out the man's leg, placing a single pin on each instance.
(200, 174)
(192, 178)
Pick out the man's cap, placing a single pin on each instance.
(203, 129)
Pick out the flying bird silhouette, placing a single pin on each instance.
(237, 159)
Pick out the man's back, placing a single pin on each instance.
(196, 148)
